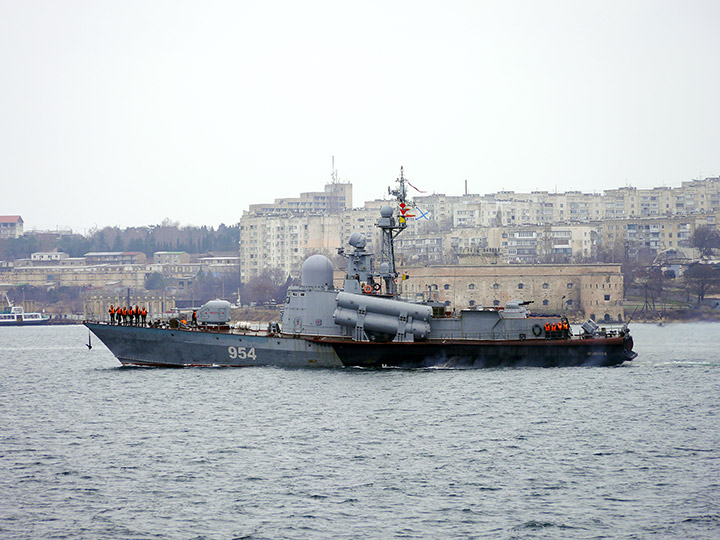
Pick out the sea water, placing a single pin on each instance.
(89, 449)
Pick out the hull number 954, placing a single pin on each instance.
(241, 353)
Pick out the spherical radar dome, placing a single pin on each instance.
(317, 271)
(386, 211)
(357, 240)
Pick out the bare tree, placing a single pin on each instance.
(630, 270)
(705, 239)
(654, 287)
(700, 279)
(269, 286)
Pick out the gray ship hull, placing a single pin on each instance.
(138, 346)
(161, 347)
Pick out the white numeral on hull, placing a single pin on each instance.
(241, 353)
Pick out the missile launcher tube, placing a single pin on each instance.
(384, 324)
(383, 306)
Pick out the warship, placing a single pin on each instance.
(368, 324)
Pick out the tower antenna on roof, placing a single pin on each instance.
(333, 174)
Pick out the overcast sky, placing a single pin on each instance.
(128, 112)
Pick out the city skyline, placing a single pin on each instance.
(124, 115)
(422, 198)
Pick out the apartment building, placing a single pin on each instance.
(118, 257)
(171, 257)
(559, 243)
(649, 235)
(285, 241)
(695, 196)
(517, 244)
(284, 233)
(508, 208)
(336, 197)
(48, 256)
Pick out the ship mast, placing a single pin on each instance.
(391, 228)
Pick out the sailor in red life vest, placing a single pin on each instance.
(111, 311)
(143, 314)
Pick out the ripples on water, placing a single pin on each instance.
(92, 450)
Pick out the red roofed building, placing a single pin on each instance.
(11, 226)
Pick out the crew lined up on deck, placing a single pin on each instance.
(132, 316)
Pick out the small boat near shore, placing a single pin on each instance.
(12, 315)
